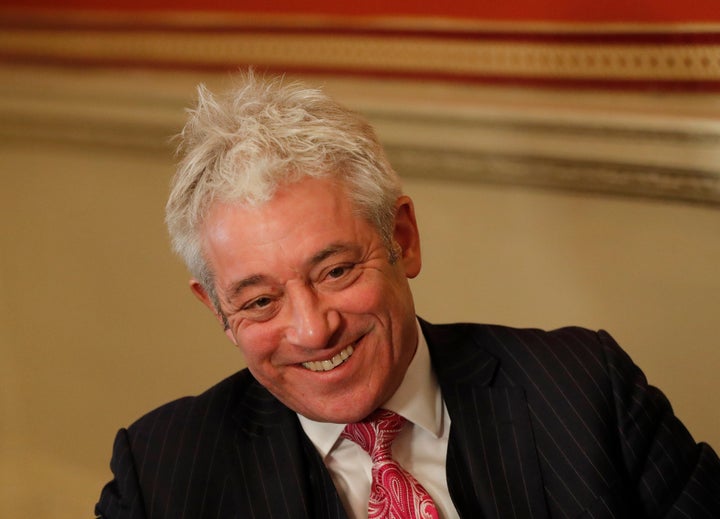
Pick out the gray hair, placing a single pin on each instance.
(240, 147)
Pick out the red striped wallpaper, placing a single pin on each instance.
(590, 11)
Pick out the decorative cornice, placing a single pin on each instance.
(549, 141)
(685, 58)
(626, 179)
(633, 156)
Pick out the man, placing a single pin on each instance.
(300, 241)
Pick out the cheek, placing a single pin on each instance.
(258, 343)
(369, 295)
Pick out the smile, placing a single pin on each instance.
(327, 365)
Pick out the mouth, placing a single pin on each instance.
(330, 364)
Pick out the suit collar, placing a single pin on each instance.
(257, 412)
(492, 465)
(290, 478)
(456, 356)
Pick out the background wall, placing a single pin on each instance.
(539, 205)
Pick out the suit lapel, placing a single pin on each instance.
(492, 465)
(269, 442)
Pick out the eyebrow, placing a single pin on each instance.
(330, 250)
(244, 283)
(317, 258)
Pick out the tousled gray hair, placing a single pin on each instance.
(241, 146)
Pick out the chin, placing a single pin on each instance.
(346, 414)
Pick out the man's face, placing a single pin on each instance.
(326, 322)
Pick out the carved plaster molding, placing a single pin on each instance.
(550, 140)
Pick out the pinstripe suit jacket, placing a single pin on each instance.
(544, 425)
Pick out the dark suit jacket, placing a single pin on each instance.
(544, 425)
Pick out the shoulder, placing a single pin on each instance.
(562, 358)
(191, 414)
(176, 455)
(524, 344)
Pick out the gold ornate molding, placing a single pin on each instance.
(610, 143)
(633, 57)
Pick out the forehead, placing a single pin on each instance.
(299, 221)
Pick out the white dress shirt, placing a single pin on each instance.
(421, 447)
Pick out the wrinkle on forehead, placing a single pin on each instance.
(300, 226)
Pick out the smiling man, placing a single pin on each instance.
(325, 320)
(300, 241)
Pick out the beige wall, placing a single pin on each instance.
(97, 325)
(648, 272)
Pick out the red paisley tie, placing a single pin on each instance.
(394, 493)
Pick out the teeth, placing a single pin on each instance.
(327, 365)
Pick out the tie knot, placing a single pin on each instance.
(375, 433)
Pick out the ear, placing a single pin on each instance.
(406, 235)
(199, 291)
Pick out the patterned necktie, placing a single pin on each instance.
(394, 493)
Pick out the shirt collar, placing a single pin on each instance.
(418, 399)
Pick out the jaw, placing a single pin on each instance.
(347, 393)
(339, 390)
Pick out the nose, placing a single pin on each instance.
(311, 322)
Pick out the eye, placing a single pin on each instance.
(260, 309)
(339, 277)
(338, 272)
(260, 302)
